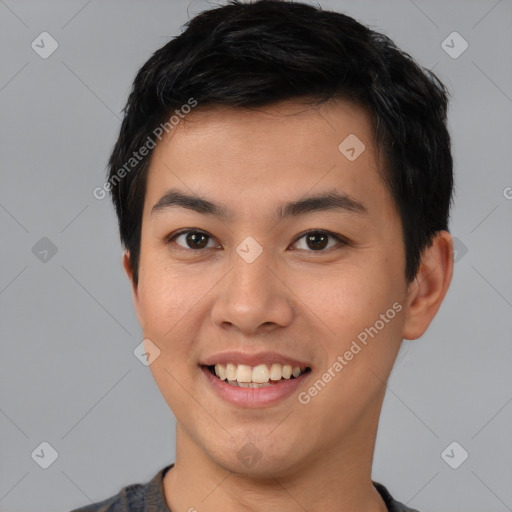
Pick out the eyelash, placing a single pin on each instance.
(342, 241)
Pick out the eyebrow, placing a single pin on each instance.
(329, 200)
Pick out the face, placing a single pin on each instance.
(288, 253)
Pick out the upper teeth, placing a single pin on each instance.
(258, 374)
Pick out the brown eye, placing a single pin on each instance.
(318, 241)
(195, 240)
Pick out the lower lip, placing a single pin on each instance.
(254, 397)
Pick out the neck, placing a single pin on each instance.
(337, 480)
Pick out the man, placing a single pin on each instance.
(282, 179)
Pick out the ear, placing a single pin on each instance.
(127, 265)
(430, 285)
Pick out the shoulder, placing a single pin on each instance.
(129, 499)
(391, 503)
(133, 498)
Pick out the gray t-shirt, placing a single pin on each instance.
(150, 497)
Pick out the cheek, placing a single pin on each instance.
(361, 315)
(163, 304)
(167, 293)
(346, 298)
(167, 304)
(357, 305)
(172, 305)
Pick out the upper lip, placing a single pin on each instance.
(252, 359)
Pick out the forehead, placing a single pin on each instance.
(252, 157)
(278, 126)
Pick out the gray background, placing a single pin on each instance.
(68, 330)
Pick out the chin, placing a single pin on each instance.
(256, 457)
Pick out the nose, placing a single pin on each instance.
(253, 297)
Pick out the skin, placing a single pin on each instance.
(308, 304)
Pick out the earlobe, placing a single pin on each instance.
(127, 265)
(427, 291)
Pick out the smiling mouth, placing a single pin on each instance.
(260, 376)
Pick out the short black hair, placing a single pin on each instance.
(250, 55)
